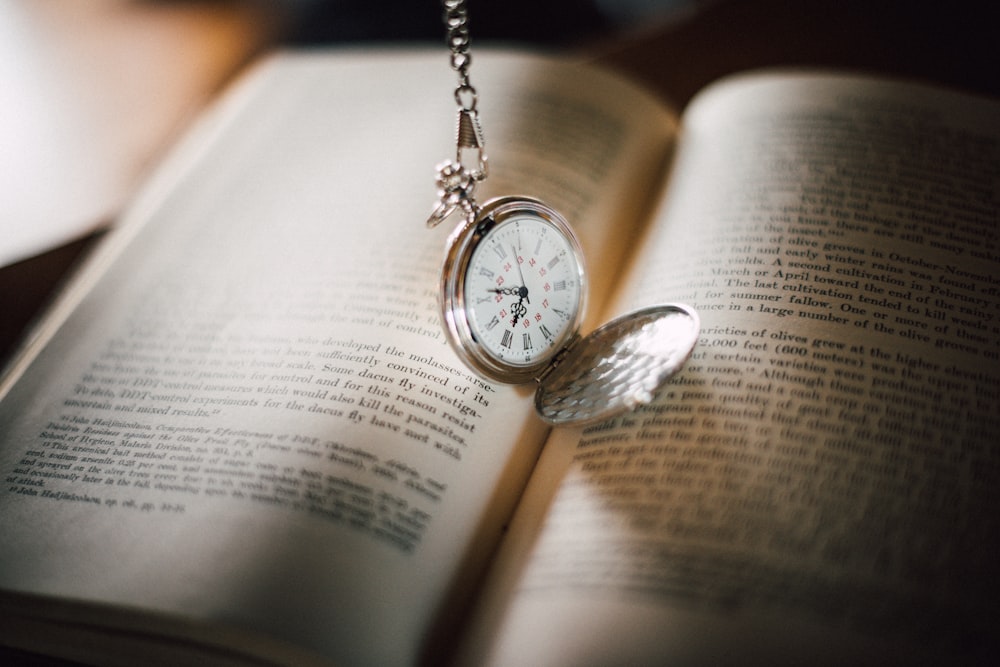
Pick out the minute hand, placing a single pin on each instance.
(523, 292)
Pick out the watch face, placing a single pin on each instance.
(517, 289)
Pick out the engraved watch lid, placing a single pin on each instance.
(619, 366)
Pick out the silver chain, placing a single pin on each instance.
(456, 21)
(455, 180)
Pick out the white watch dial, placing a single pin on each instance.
(523, 290)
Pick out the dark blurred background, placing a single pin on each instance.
(685, 43)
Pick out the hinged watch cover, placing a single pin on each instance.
(618, 366)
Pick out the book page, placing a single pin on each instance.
(250, 421)
(818, 485)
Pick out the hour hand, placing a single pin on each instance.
(512, 291)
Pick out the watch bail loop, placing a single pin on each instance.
(469, 137)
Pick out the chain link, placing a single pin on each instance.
(470, 136)
(456, 21)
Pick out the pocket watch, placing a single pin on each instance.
(513, 289)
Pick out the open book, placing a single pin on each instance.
(241, 436)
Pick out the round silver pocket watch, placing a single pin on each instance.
(514, 288)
